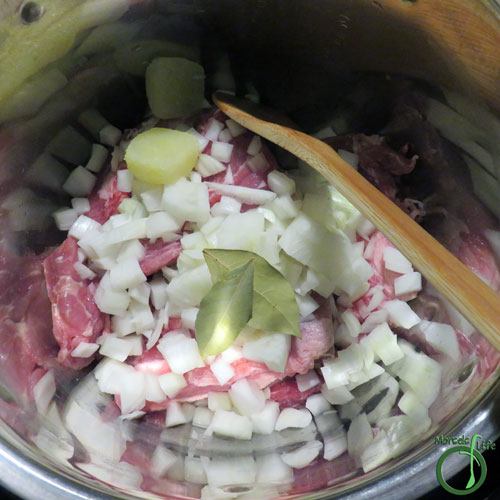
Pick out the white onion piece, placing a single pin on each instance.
(213, 130)
(65, 218)
(132, 391)
(232, 353)
(243, 194)
(408, 283)
(202, 417)
(269, 348)
(126, 274)
(401, 314)
(158, 293)
(187, 289)
(193, 471)
(335, 445)
(132, 249)
(271, 469)
(235, 128)
(160, 223)
(351, 322)
(291, 417)
(110, 135)
(98, 157)
(221, 151)
(222, 370)
(231, 471)
(365, 229)
(115, 348)
(153, 391)
(92, 120)
(307, 381)
(135, 342)
(230, 424)
(108, 300)
(140, 293)
(303, 456)
(334, 373)
(188, 317)
(441, 337)
(258, 163)
(172, 383)
(307, 305)
(80, 182)
(384, 343)
(202, 140)
(225, 136)
(395, 261)
(247, 397)
(152, 199)
(336, 396)
(265, 420)
(317, 404)
(411, 405)
(376, 299)
(133, 230)
(208, 165)
(80, 205)
(284, 207)
(359, 435)
(43, 392)
(175, 415)
(374, 319)
(84, 350)
(181, 353)
(124, 180)
(162, 460)
(280, 183)
(187, 201)
(219, 401)
(255, 146)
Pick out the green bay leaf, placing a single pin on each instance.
(225, 310)
(274, 305)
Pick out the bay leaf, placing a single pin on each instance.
(225, 310)
(274, 306)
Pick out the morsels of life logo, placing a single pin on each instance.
(477, 463)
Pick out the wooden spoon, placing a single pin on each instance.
(468, 293)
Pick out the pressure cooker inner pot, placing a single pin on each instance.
(118, 399)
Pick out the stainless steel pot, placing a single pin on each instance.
(296, 52)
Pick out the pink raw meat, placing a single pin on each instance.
(27, 346)
(159, 254)
(75, 315)
(287, 394)
(106, 198)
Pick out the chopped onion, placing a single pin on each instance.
(187, 289)
(374, 319)
(291, 417)
(265, 420)
(43, 392)
(221, 151)
(411, 405)
(384, 343)
(334, 373)
(280, 183)
(351, 322)
(258, 163)
(132, 249)
(365, 229)
(152, 199)
(124, 180)
(214, 129)
(401, 314)
(98, 157)
(335, 445)
(376, 299)
(284, 207)
(80, 205)
(230, 424)
(126, 274)
(243, 194)
(140, 293)
(219, 401)
(307, 305)
(247, 397)
(336, 396)
(69, 145)
(235, 128)
(441, 337)
(115, 348)
(175, 415)
(202, 417)
(307, 381)
(187, 201)
(65, 218)
(92, 120)
(171, 383)
(160, 223)
(408, 283)
(110, 135)
(159, 293)
(225, 136)
(395, 261)
(162, 460)
(303, 456)
(231, 471)
(269, 348)
(83, 271)
(188, 317)
(202, 140)
(317, 404)
(181, 353)
(272, 470)
(135, 229)
(193, 471)
(232, 353)
(80, 182)
(84, 350)
(255, 146)
(208, 165)
(108, 300)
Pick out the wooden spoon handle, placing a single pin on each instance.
(467, 292)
